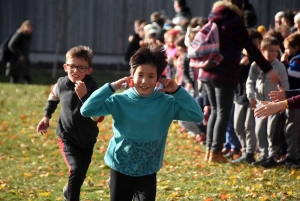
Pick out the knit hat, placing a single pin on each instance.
(173, 32)
(262, 30)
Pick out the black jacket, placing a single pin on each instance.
(81, 131)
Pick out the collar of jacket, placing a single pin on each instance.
(221, 5)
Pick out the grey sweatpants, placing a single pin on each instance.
(292, 132)
(244, 126)
(267, 134)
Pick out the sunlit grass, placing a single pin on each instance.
(31, 167)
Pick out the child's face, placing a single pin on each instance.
(271, 52)
(136, 27)
(77, 68)
(144, 79)
(290, 50)
(297, 25)
(181, 50)
(257, 42)
(170, 40)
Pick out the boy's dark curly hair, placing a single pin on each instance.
(149, 55)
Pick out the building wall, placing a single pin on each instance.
(104, 25)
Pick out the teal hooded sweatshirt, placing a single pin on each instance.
(140, 125)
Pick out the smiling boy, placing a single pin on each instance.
(76, 134)
(141, 119)
(258, 87)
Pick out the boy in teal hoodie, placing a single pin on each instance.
(141, 119)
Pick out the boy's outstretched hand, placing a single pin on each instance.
(80, 89)
(43, 125)
(170, 85)
(278, 95)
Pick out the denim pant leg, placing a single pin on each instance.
(292, 130)
(231, 136)
(221, 99)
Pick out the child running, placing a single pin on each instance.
(141, 119)
(76, 134)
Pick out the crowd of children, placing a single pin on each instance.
(165, 86)
(247, 137)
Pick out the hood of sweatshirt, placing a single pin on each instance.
(133, 94)
(222, 11)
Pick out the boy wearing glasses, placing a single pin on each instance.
(76, 134)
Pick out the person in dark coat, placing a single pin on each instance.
(134, 40)
(182, 11)
(221, 81)
(19, 44)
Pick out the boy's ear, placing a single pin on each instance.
(65, 67)
(89, 71)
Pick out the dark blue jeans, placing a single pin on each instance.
(221, 99)
(232, 141)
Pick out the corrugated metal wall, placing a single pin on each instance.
(104, 25)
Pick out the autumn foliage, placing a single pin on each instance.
(31, 167)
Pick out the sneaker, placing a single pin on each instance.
(250, 158)
(65, 192)
(240, 159)
(246, 157)
(224, 151)
(269, 163)
(233, 154)
(201, 139)
(216, 158)
(296, 164)
(260, 161)
(286, 161)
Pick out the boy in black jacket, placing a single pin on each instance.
(76, 134)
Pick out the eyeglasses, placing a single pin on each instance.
(81, 69)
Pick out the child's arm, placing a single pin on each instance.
(250, 84)
(99, 103)
(51, 106)
(293, 92)
(278, 95)
(284, 80)
(187, 72)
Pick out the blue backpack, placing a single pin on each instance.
(5, 53)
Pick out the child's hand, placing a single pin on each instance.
(253, 103)
(127, 81)
(188, 86)
(170, 85)
(284, 57)
(277, 95)
(244, 61)
(43, 125)
(80, 89)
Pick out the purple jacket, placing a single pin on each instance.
(294, 102)
(233, 38)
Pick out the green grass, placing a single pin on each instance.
(31, 167)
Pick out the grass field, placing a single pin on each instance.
(31, 167)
